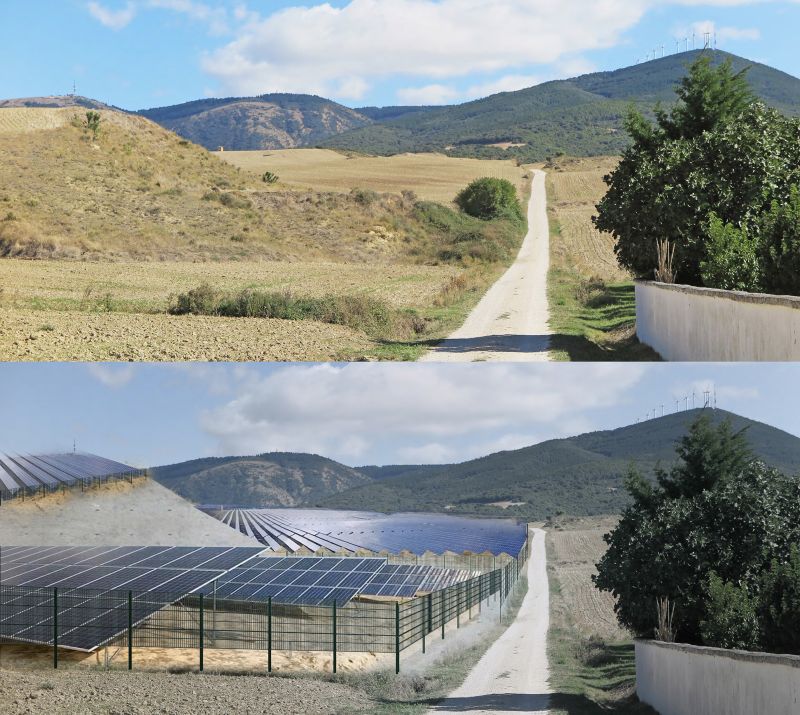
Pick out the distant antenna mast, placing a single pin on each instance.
(73, 446)
(74, 88)
(706, 40)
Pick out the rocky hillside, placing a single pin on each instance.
(271, 121)
(276, 479)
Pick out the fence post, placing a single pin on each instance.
(55, 628)
(130, 630)
(458, 605)
(334, 635)
(423, 626)
(269, 634)
(202, 639)
(442, 610)
(430, 612)
(397, 637)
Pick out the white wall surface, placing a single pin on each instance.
(677, 679)
(685, 323)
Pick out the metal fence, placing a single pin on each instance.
(82, 619)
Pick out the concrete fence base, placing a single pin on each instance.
(677, 679)
(686, 323)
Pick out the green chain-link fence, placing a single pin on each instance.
(85, 620)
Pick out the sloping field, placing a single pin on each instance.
(120, 514)
(433, 177)
(572, 555)
(15, 120)
(574, 186)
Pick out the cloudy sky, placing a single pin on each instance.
(359, 414)
(144, 53)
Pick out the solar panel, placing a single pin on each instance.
(93, 583)
(32, 472)
(351, 531)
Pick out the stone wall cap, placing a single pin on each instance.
(791, 661)
(787, 301)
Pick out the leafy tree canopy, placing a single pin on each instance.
(489, 198)
(711, 167)
(710, 533)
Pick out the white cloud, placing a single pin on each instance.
(428, 95)
(507, 83)
(344, 411)
(114, 19)
(313, 48)
(111, 375)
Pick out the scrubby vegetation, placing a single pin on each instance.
(717, 537)
(716, 181)
(372, 316)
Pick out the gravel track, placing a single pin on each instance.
(123, 693)
(511, 321)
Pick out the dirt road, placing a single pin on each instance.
(511, 321)
(512, 676)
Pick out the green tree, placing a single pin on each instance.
(93, 120)
(270, 178)
(716, 511)
(489, 198)
(716, 152)
(707, 97)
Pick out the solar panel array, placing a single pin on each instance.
(28, 472)
(314, 581)
(352, 531)
(93, 580)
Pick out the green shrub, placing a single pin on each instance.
(732, 261)
(198, 301)
(489, 198)
(365, 197)
(780, 605)
(731, 616)
(270, 178)
(780, 245)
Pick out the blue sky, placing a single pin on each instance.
(359, 414)
(144, 53)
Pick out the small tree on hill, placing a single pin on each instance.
(270, 178)
(489, 198)
(93, 120)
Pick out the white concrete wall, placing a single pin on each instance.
(679, 679)
(702, 324)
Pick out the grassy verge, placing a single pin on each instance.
(593, 320)
(588, 675)
(415, 694)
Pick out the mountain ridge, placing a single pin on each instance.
(579, 475)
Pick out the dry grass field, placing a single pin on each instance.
(121, 223)
(433, 177)
(573, 551)
(14, 120)
(574, 186)
(69, 310)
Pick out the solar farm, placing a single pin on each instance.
(28, 475)
(333, 531)
(313, 581)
